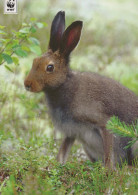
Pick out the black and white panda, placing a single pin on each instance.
(11, 3)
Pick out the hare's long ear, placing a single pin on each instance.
(70, 38)
(57, 29)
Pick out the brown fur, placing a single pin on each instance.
(80, 104)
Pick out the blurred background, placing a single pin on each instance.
(109, 40)
(109, 46)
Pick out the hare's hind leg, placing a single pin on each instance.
(109, 160)
(114, 150)
(65, 149)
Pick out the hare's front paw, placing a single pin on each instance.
(65, 149)
(61, 158)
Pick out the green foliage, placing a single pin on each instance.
(19, 43)
(124, 130)
(26, 168)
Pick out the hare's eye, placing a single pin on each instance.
(50, 68)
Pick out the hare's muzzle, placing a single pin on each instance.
(33, 85)
(27, 85)
(28, 88)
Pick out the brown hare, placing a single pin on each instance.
(80, 104)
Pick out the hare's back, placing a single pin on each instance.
(102, 97)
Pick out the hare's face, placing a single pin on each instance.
(51, 69)
(47, 71)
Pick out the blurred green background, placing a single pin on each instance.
(109, 40)
(109, 46)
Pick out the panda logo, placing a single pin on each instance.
(11, 3)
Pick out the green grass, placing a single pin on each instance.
(28, 147)
(28, 165)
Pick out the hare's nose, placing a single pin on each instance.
(27, 85)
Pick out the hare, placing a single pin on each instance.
(80, 104)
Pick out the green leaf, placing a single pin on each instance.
(121, 128)
(15, 60)
(34, 40)
(13, 44)
(2, 32)
(33, 29)
(19, 52)
(39, 24)
(3, 40)
(2, 27)
(33, 19)
(24, 24)
(20, 35)
(35, 49)
(7, 58)
(44, 23)
(8, 68)
(25, 48)
(25, 30)
(16, 46)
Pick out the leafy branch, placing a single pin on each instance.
(123, 130)
(19, 44)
